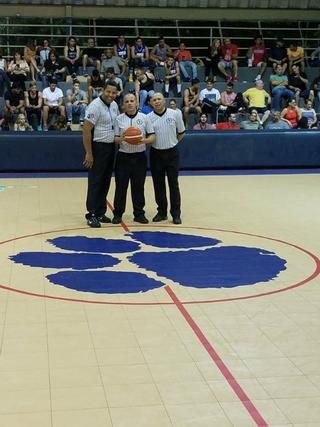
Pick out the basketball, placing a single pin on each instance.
(133, 135)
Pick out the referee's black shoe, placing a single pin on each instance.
(93, 222)
(116, 219)
(176, 220)
(141, 218)
(104, 219)
(159, 217)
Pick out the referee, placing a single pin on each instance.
(164, 158)
(99, 158)
(131, 163)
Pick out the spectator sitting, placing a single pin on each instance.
(184, 58)
(18, 70)
(147, 108)
(95, 85)
(278, 55)
(231, 102)
(303, 123)
(71, 54)
(160, 52)
(315, 58)
(91, 56)
(53, 67)
(203, 123)
(173, 106)
(33, 103)
(298, 84)
(295, 56)
(111, 61)
(29, 55)
(191, 101)
(53, 102)
(4, 79)
(44, 52)
(291, 113)
(77, 103)
(172, 76)
(14, 102)
(210, 99)
(122, 49)
(111, 77)
(2, 120)
(257, 55)
(253, 123)
(144, 86)
(21, 124)
(231, 124)
(212, 59)
(140, 54)
(308, 112)
(229, 54)
(315, 88)
(60, 124)
(277, 122)
(258, 99)
(279, 88)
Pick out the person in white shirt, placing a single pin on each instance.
(210, 99)
(52, 101)
(131, 163)
(164, 157)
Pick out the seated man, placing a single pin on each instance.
(315, 58)
(33, 102)
(111, 61)
(184, 58)
(160, 52)
(231, 124)
(278, 55)
(14, 103)
(295, 56)
(91, 56)
(315, 89)
(95, 85)
(258, 99)
(52, 102)
(140, 55)
(253, 123)
(111, 77)
(77, 103)
(298, 83)
(279, 88)
(257, 55)
(210, 99)
(231, 102)
(229, 54)
(172, 76)
(191, 100)
(203, 123)
(277, 122)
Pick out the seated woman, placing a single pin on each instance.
(33, 103)
(53, 68)
(203, 123)
(43, 51)
(29, 54)
(291, 113)
(72, 56)
(21, 124)
(18, 70)
(212, 59)
(309, 113)
(144, 86)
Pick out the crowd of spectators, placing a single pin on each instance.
(271, 103)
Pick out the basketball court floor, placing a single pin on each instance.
(214, 322)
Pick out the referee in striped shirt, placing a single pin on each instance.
(164, 158)
(131, 163)
(100, 151)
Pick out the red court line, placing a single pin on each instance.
(123, 225)
(236, 387)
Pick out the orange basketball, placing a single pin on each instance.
(133, 135)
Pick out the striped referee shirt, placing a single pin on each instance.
(138, 120)
(166, 127)
(102, 116)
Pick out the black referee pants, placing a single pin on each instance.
(162, 163)
(130, 167)
(99, 178)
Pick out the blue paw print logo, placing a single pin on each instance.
(87, 264)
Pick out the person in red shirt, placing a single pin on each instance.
(184, 58)
(231, 124)
(257, 55)
(229, 54)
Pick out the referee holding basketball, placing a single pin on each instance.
(131, 163)
(164, 157)
(99, 159)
